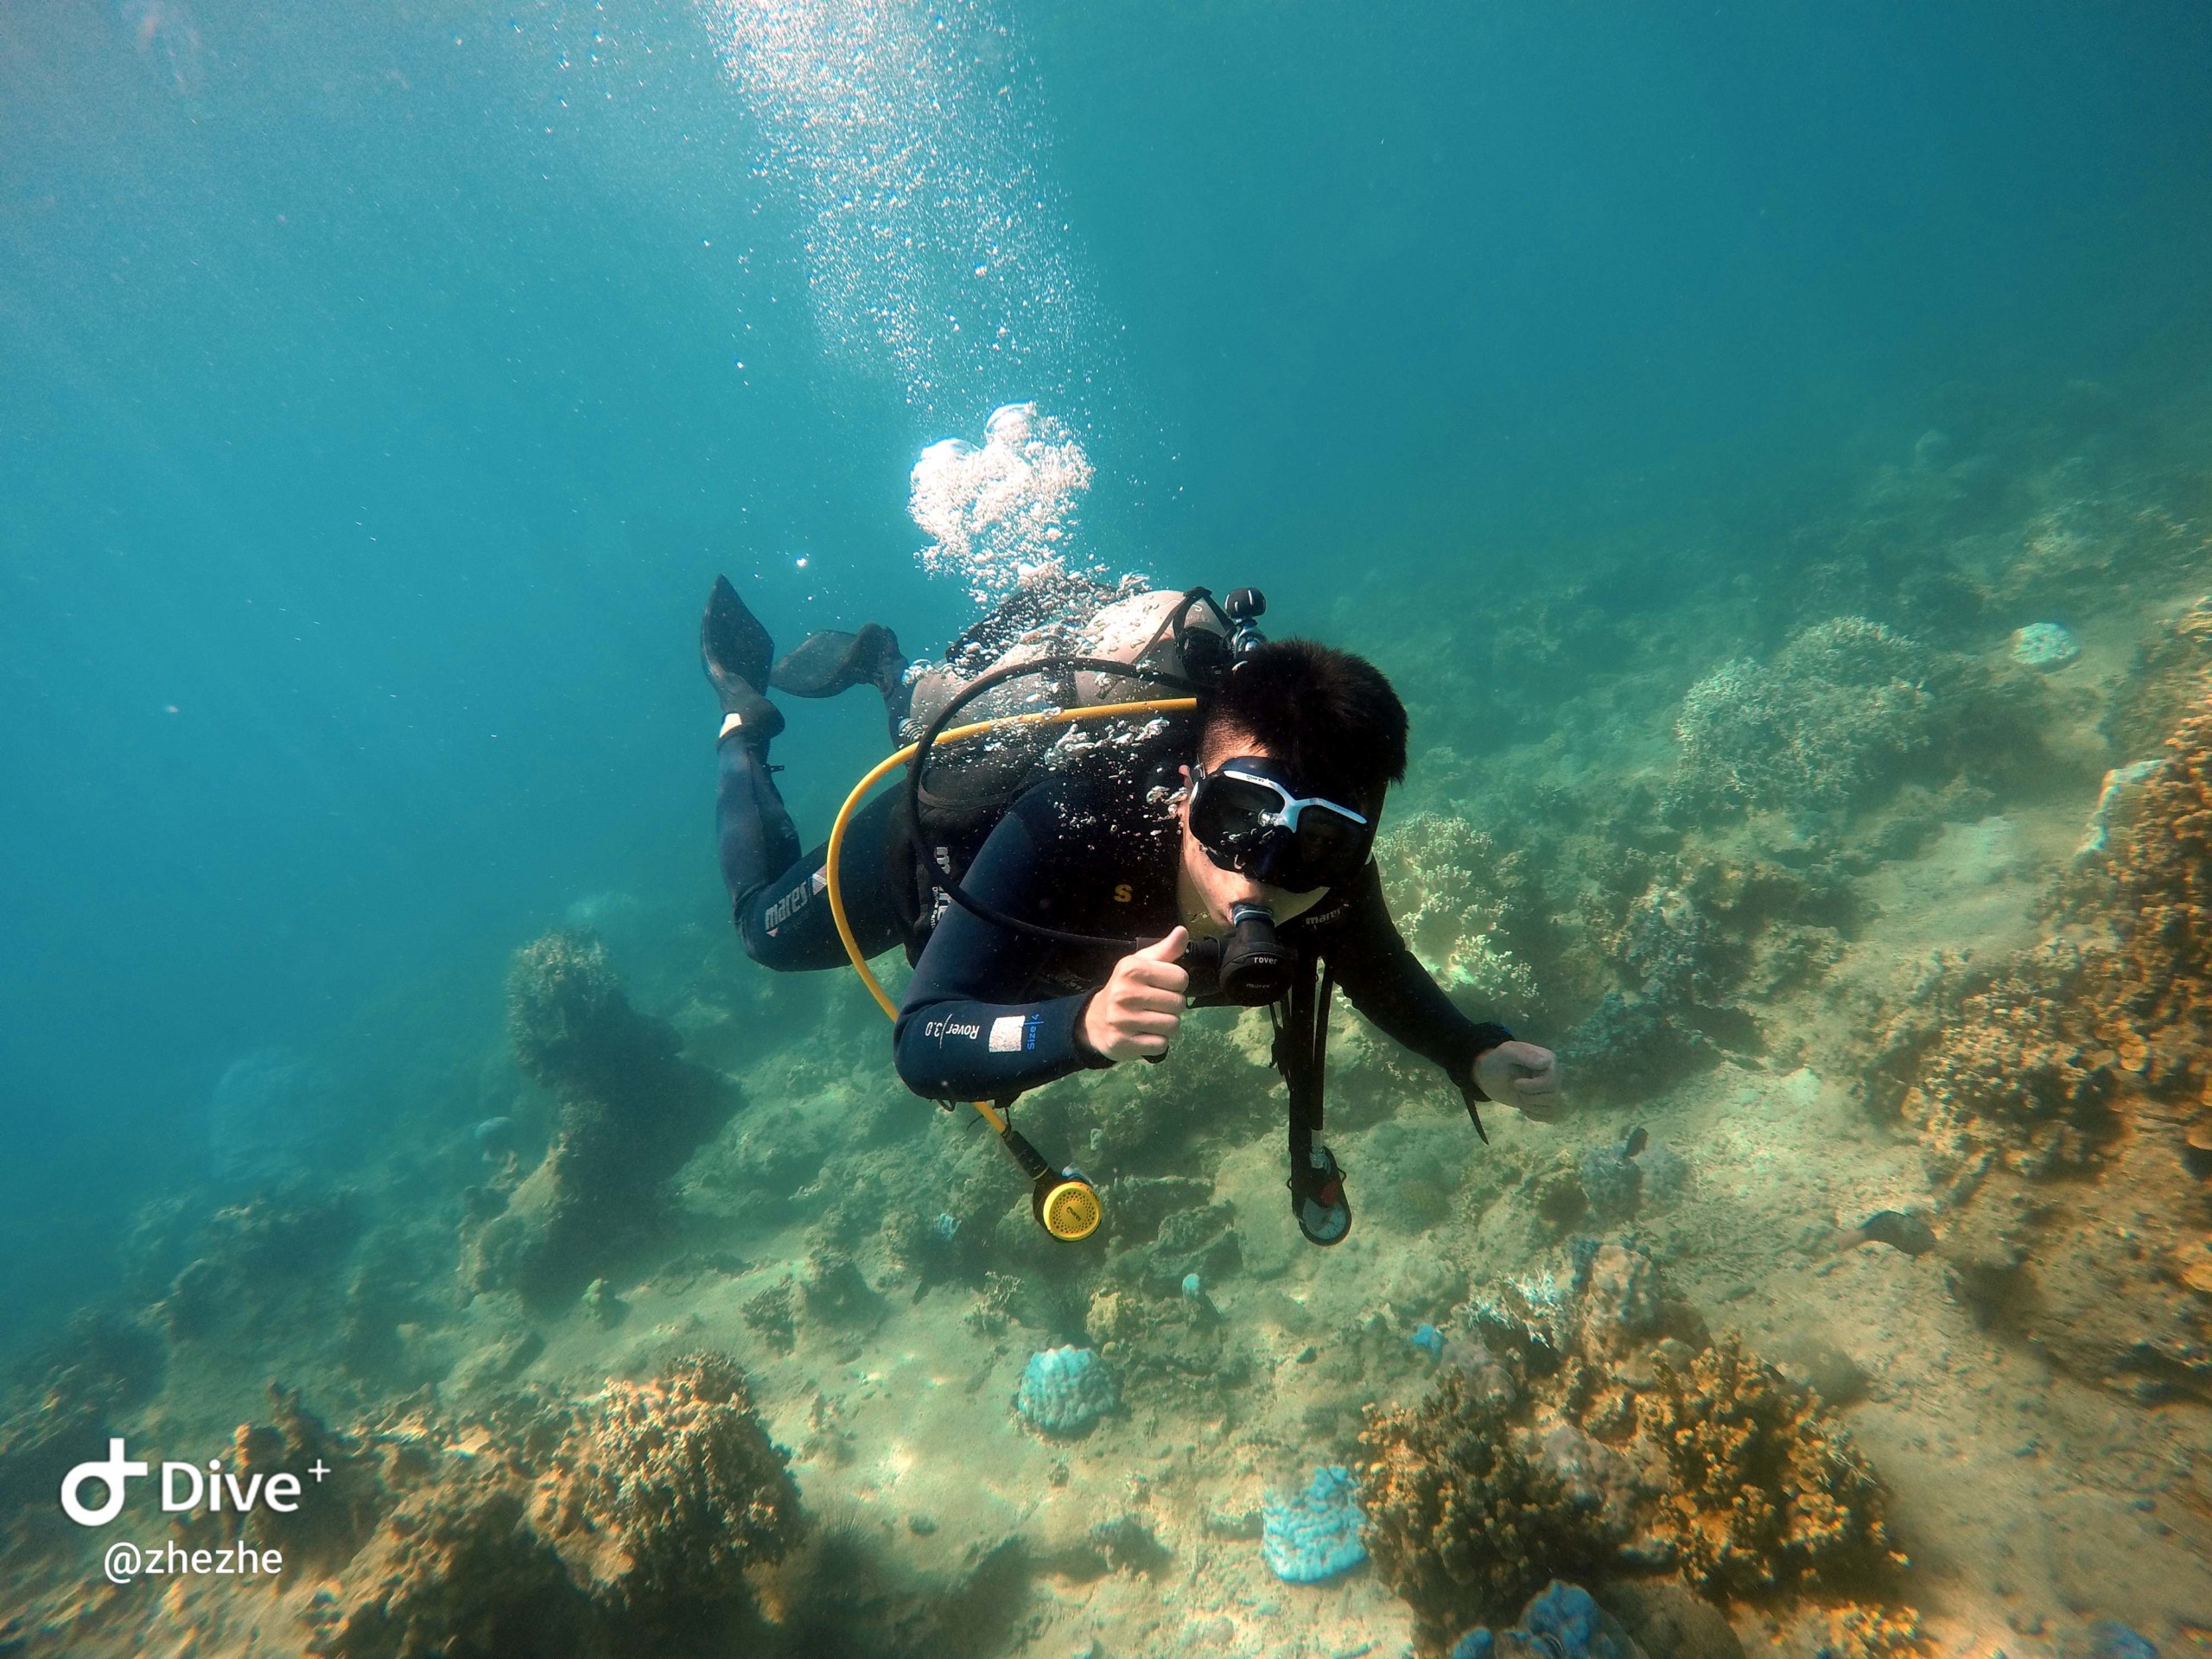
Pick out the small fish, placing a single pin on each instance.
(494, 1131)
(1900, 1230)
(1636, 1141)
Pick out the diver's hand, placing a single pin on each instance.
(1520, 1074)
(1137, 1012)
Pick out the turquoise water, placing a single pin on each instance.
(381, 389)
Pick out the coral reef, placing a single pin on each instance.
(1625, 1048)
(1820, 727)
(1851, 1629)
(2045, 645)
(252, 1259)
(461, 1573)
(678, 1488)
(2019, 1068)
(631, 1112)
(349, 1500)
(1574, 1421)
(1064, 1390)
(1612, 1181)
(561, 1528)
(1562, 1621)
(770, 1313)
(1311, 1536)
(74, 1391)
(1447, 886)
(2110, 1639)
(1460, 1523)
(1768, 1488)
(2086, 1057)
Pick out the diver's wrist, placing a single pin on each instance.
(1079, 1038)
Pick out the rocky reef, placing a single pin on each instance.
(558, 1527)
(1595, 1427)
(2061, 1094)
(631, 1111)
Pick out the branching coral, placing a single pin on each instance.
(1460, 1523)
(2020, 1067)
(1816, 728)
(1768, 1488)
(1441, 876)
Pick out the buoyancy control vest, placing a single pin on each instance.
(1134, 650)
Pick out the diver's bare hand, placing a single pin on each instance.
(1520, 1074)
(1137, 1013)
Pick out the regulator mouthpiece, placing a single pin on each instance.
(1255, 965)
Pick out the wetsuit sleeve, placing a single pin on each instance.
(1386, 982)
(964, 1032)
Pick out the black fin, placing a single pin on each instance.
(733, 645)
(832, 661)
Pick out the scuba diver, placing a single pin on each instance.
(1062, 917)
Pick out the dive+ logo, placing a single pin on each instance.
(214, 1490)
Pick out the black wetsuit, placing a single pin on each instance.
(991, 1011)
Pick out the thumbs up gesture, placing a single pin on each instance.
(1138, 1011)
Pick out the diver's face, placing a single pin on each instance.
(1209, 892)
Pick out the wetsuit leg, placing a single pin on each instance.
(752, 829)
(779, 899)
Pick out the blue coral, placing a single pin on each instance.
(1428, 1340)
(1314, 1535)
(2110, 1639)
(1562, 1621)
(1564, 1618)
(1065, 1390)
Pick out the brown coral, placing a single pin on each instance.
(1768, 1488)
(2021, 1066)
(1851, 1629)
(1460, 1523)
(554, 1528)
(2034, 1060)
(677, 1488)
(2163, 909)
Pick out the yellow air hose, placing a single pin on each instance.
(1068, 1210)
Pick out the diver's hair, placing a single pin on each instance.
(1329, 716)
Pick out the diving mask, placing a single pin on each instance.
(1246, 815)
